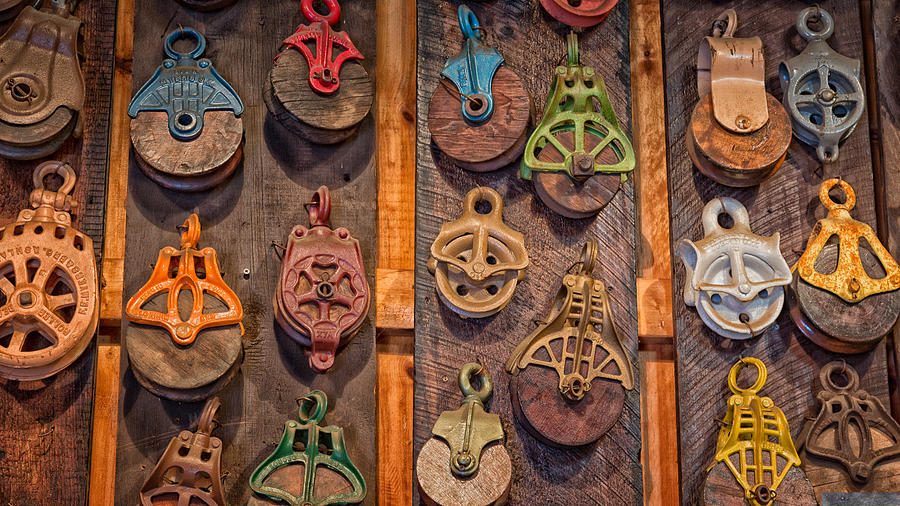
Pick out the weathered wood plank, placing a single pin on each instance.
(787, 203)
(241, 219)
(608, 472)
(45, 443)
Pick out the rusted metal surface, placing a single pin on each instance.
(734, 278)
(843, 430)
(41, 84)
(738, 134)
(580, 13)
(189, 470)
(477, 260)
(323, 294)
(197, 271)
(579, 343)
(48, 283)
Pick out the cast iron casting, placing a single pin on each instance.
(48, 283)
(579, 13)
(323, 294)
(306, 442)
(472, 69)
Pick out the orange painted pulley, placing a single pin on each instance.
(48, 283)
(580, 13)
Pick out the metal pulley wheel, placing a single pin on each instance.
(465, 461)
(480, 112)
(317, 88)
(579, 13)
(48, 283)
(189, 471)
(207, 5)
(738, 134)
(186, 127)
(184, 341)
(570, 375)
(41, 83)
(323, 294)
(822, 91)
(839, 282)
(734, 277)
(477, 260)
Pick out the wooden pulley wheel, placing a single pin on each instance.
(11, 8)
(207, 5)
(738, 159)
(489, 487)
(721, 489)
(579, 13)
(835, 324)
(48, 284)
(577, 198)
(489, 145)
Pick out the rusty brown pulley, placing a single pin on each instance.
(477, 260)
(844, 294)
(188, 473)
(41, 84)
(48, 283)
(186, 343)
(739, 134)
(323, 295)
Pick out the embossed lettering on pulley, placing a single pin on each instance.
(734, 277)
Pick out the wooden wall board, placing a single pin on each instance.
(241, 219)
(608, 472)
(787, 203)
(45, 441)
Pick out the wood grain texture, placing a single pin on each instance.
(395, 417)
(786, 203)
(47, 427)
(241, 219)
(532, 42)
(394, 299)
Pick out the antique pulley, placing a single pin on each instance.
(465, 461)
(42, 85)
(48, 283)
(734, 277)
(739, 134)
(197, 346)
(186, 124)
(477, 260)
(577, 156)
(480, 112)
(580, 13)
(323, 295)
(844, 293)
(207, 5)
(317, 87)
(822, 91)
(755, 462)
(578, 353)
(852, 428)
(188, 473)
(310, 466)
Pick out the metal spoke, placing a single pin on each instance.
(6, 286)
(61, 301)
(823, 77)
(21, 271)
(17, 341)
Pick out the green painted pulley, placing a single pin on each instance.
(578, 155)
(326, 471)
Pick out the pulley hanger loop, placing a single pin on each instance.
(185, 33)
(313, 16)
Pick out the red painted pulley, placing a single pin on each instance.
(581, 13)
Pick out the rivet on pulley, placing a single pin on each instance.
(48, 283)
(41, 84)
(822, 91)
(734, 277)
(755, 456)
(578, 354)
(465, 461)
(738, 134)
(851, 426)
(844, 277)
(312, 449)
(207, 5)
(323, 296)
(186, 123)
(199, 347)
(579, 13)
(189, 470)
(317, 88)
(577, 156)
(480, 112)
(477, 260)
